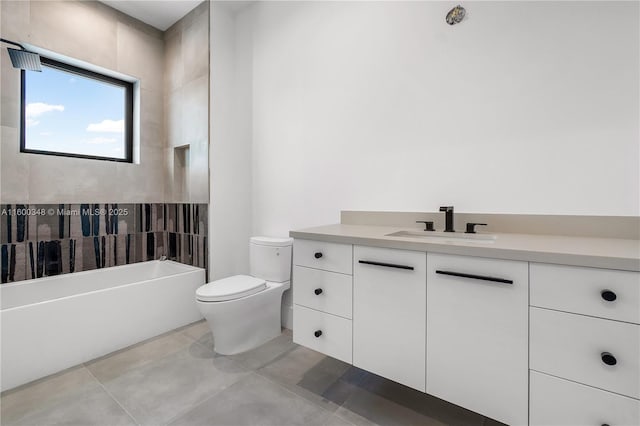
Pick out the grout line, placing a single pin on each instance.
(111, 396)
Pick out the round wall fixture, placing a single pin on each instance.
(455, 15)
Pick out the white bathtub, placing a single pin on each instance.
(53, 323)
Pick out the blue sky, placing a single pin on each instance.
(69, 113)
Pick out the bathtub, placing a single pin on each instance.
(53, 323)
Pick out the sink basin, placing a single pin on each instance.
(438, 236)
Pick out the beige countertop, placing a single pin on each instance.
(611, 253)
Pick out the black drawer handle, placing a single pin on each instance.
(317, 255)
(608, 295)
(608, 359)
(475, 277)
(386, 265)
(317, 333)
(604, 424)
(318, 291)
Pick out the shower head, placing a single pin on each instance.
(22, 58)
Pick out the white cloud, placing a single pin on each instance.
(107, 126)
(46, 133)
(36, 109)
(31, 122)
(101, 140)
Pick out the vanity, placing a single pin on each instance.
(524, 329)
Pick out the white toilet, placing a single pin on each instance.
(243, 311)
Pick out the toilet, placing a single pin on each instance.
(243, 311)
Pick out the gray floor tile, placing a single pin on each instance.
(309, 374)
(255, 401)
(364, 408)
(160, 391)
(266, 353)
(419, 402)
(93, 406)
(353, 418)
(323, 377)
(292, 367)
(44, 393)
(198, 332)
(120, 362)
(334, 420)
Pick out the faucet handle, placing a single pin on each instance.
(471, 227)
(428, 225)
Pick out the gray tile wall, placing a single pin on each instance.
(186, 106)
(93, 32)
(39, 240)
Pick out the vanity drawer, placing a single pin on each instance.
(586, 290)
(335, 339)
(572, 346)
(322, 255)
(555, 401)
(322, 290)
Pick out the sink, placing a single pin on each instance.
(438, 236)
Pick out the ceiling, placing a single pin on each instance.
(160, 14)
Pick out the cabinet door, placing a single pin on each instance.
(477, 348)
(389, 302)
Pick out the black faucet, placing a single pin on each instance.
(448, 215)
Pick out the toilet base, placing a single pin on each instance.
(244, 324)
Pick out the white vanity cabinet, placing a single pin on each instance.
(477, 340)
(389, 306)
(520, 342)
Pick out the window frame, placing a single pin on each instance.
(128, 113)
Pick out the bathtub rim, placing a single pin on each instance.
(16, 284)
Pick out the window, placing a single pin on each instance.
(74, 112)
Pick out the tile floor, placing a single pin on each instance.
(176, 379)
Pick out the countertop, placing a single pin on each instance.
(611, 253)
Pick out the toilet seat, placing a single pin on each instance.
(230, 288)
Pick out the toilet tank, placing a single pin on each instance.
(270, 258)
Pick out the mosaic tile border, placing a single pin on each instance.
(40, 240)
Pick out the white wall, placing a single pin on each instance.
(522, 108)
(230, 145)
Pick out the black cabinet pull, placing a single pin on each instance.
(475, 277)
(317, 333)
(604, 424)
(608, 359)
(608, 295)
(317, 255)
(317, 291)
(386, 265)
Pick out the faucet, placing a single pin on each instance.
(448, 212)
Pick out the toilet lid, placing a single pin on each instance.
(230, 288)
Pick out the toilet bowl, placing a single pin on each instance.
(244, 311)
